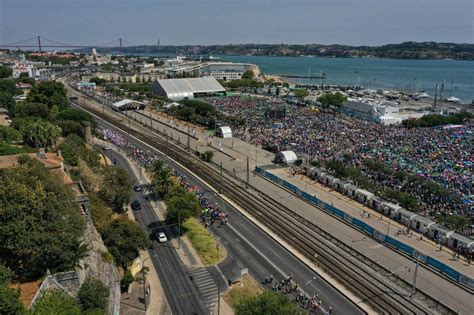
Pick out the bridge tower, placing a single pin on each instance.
(39, 44)
(121, 48)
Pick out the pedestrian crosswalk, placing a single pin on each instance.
(206, 286)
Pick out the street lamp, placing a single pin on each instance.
(307, 283)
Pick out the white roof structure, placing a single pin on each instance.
(390, 120)
(287, 157)
(178, 89)
(124, 103)
(225, 131)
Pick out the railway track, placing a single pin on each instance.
(360, 277)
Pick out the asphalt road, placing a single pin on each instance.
(247, 247)
(180, 292)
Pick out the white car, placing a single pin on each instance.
(162, 237)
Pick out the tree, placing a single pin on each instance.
(50, 93)
(93, 295)
(155, 170)
(207, 156)
(124, 239)
(40, 133)
(70, 155)
(164, 181)
(9, 297)
(116, 187)
(8, 134)
(75, 115)
(248, 74)
(176, 190)
(266, 303)
(182, 207)
(25, 79)
(5, 72)
(33, 110)
(301, 93)
(7, 101)
(97, 81)
(40, 221)
(10, 300)
(126, 281)
(332, 100)
(70, 127)
(9, 86)
(277, 91)
(5, 274)
(56, 302)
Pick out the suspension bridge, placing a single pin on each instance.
(40, 43)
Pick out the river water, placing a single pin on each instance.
(397, 74)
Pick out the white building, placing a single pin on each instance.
(23, 67)
(226, 75)
(376, 111)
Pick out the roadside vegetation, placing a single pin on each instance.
(204, 243)
(268, 302)
(238, 293)
(92, 298)
(437, 120)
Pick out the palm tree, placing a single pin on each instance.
(164, 181)
(155, 170)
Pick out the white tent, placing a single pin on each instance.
(224, 132)
(127, 104)
(286, 157)
(390, 120)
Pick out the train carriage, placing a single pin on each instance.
(461, 243)
(363, 195)
(376, 203)
(349, 190)
(339, 185)
(439, 233)
(390, 209)
(319, 173)
(421, 224)
(405, 217)
(328, 180)
(309, 170)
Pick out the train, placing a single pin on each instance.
(425, 226)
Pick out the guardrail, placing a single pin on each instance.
(430, 261)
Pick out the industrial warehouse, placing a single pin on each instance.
(178, 89)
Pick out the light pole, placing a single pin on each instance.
(415, 276)
(307, 283)
(221, 181)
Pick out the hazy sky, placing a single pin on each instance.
(353, 22)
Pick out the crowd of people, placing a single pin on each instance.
(210, 211)
(443, 154)
(290, 287)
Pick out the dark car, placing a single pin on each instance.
(137, 188)
(136, 205)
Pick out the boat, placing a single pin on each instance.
(423, 95)
(453, 99)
